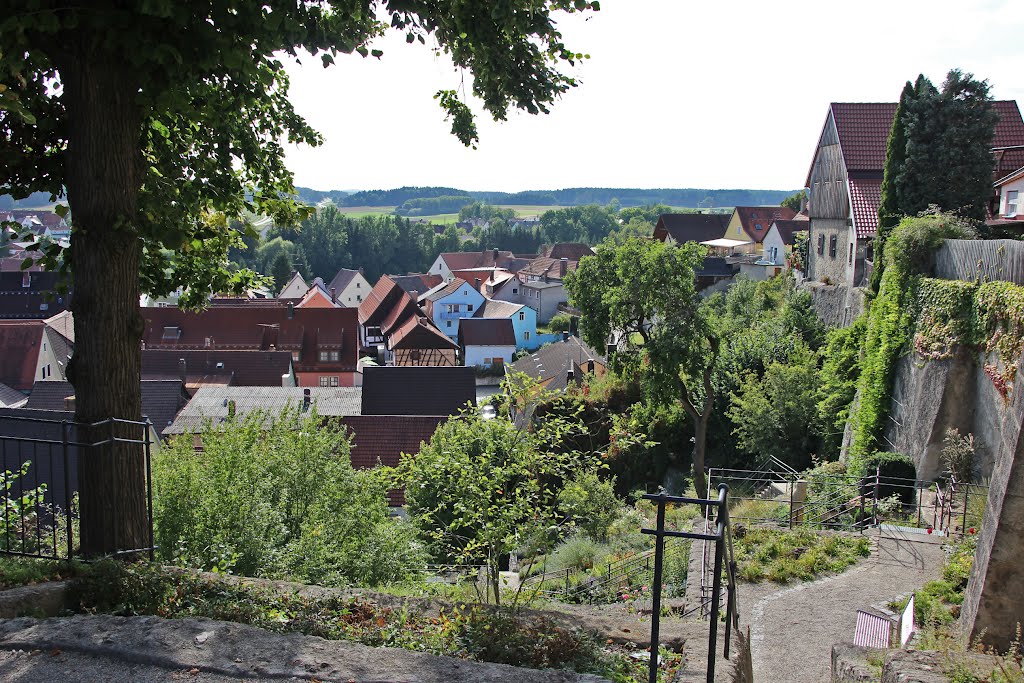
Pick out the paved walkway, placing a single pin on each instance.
(794, 627)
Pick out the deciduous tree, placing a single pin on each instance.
(646, 293)
(155, 114)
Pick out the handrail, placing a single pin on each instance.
(724, 558)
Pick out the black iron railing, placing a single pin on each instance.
(724, 559)
(39, 469)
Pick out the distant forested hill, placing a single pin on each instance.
(574, 196)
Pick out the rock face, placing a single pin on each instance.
(836, 305)
(931, 396)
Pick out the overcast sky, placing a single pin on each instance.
(677, 93)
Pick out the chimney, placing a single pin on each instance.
(565, 336)
(361, 271)
(334, 295)
(182, 370)
(306, 400)
(563, 266)
(476, 280)
(570, 376)
(69, 404)
(415, 295)
(291, 311)
(590, 365)
(286, 380)
(495, 252)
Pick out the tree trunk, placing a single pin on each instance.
(103, 181)
(700, 436)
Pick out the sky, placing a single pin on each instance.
(676, 93)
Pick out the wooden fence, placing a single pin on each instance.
(983, 260)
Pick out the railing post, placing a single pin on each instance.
(149, 485)
(659, 551)
(716, 581)
(878, 474)
(792, 484)
(67, 488)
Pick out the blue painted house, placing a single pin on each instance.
(450, 302)
(524, 321)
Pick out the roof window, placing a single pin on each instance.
(171, 333)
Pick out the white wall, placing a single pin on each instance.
(475, 355)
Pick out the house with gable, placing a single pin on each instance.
(1007, 208)
(751, 224)
(679, 228)
(523, 318)
(395, 331)
(349, 287)
(539, 286)
(32, 351)
(450, 302)
(295, 288)
(446, 264)
(844, 183)
(563, 363)
(487, 342)
(317, 297)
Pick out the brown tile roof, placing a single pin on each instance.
(416, 282)
(757, 220)
(377, 304)
(486, 332)
(787, 228)
(243, 368)
(439, 293)
(549, 267)
(381, 439)
(488, 258)
(417, 332)
(47, 218)
(405, 390)
(863, 129)
(865, 198)
(691, 227)
(573, 251)
(12, 264)
(257, 328)
(401, 310)
(20, 341)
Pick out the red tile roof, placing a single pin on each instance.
(865, 198)
(573, 251)
(383, 438)
(258, 328)
(378, 302)
(21, 341)
(863, 129)
(757, 220)
(402, 309)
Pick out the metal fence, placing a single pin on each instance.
(39, 481)
(788, 499)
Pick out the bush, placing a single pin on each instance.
(277, 497)
(589, 503)
(894, 470)
(560, 323)
(577, 552)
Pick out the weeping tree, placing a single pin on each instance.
(161, 121)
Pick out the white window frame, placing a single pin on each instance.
(1012, 198)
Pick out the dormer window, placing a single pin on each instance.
(1011, 202)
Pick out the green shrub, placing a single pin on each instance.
(589, 503)
(896, 473)
(577, 552)
(277, 497)
(561, 322)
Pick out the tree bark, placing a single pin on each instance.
(103, 171)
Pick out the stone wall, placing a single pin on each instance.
(836, 305)
(824, 266)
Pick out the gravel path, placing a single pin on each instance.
(794, 627)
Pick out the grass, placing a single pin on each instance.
(784, 556)
(24, 571)
(462, 630)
